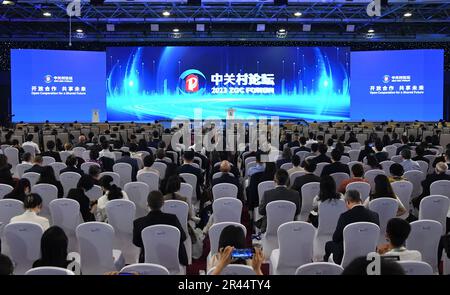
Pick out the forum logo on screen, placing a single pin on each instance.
(48, 79)
(191, 82)
(386, 79)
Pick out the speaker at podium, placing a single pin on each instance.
(95, 116)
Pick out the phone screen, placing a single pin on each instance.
(242, 253)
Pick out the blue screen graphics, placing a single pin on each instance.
(155, 83)
(57, 85)
(402, 85)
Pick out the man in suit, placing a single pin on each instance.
(405, 145)
(155, 201)
(225, 168)
(356, 213)
(294, 141)
(279, 193)
(379, 154)
(51, 152)
(188, 159)
(82, 141)
(225, 156)
(37, 165)
(71, 163)
(336, 166)
(155, 140)
(126, 158)
(440, 173)
(309, 167)
(302, 146)
(322, 157)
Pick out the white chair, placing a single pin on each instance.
(121, 214)
(192, 180)
(49, 271)
(416, 268)
(24, 240)
(345, 160)
(277, 213)
(339, 177)
(435, 207)
(46, 160)
(303, 155)
(227, 210)
(397, 159)
(295, 240)
(5, 189)
(248, 166)
(355, 145)
(319, 168)
(362, 187)
(262, 188)
(424, 237)
(235, 270)
(124, 170)
(319, 269)
(360, 238)
(354, 154)
(69, 180)
(386, 166)
(78, 151)
(151, 179)
(48, 193)
(86, 155)
(415, 177)
(370, 176)
(115, 176)
(403, 190)
(117, 155)
(97, 256)
(440, 187)
(309, 191)
(186, 190)
(94, 193)
(391, 150)
(386, 209)
(21, 168)
(161, 167)
(350, 165)
(286, 166)
(146, 269)
(423, 166)
(161, 244)
(137, 193)
(64, 155)
(57, 167)
(33, 177)
(8, 209)
(294, 175)
(329, 213)
(248, 160)
(13, 156)
(65, 213)
(85, 166)
(223, 190)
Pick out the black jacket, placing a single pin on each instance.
(382, 156)
(72, 169)
(54, 155)
(78, 195)
(226, 178)
(5, 175)
(36, 169)
(321, 159)
(335, 168)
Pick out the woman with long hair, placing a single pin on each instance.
(327, 193)
(48, 176)
(383, 189)
(112, 192)
(21, 191)
(54, 244)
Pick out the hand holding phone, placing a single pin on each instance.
(246, 253)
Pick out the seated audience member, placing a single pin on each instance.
(269, 171)
(356, 213)
(352, 138)
(54, 244)
(51, 151)
(15, 144)
(94, 156)
(71, 163)
(112, 192)
(94, 173)
(294, 141)
(335, 166)
(260, 167)
(87, 208)
(395, 138)
(397, 231)
(302, 146)
(359, 267)
(225, 156)
(155, 140)
(106, 152)
(5, 171)
(82, 141)
(232, 237)
(314, 149)
(279, 193)
(37, 165)
(127, 159)
(420, 153)
(155, 202)
(300, 181)
(407, 163)
(48, 176)
(368, 150)
(373, 163)
(295, 165)
(143, 147)
(404, 146)
(171, 170)
(148, 163)
(27, 158)
(386, 140)
(445, 157)
(161, 155)
(396, 171)
(341, 148)
(358, 176)
(6, 266)
(322, 157)
(29, 142)
(286, 157)
(225, 177)
(188, 159)
(21, 191)
(383, 189)
(68, 147)
(440, 173)
(327, 193)
(32, 205)
(379, 153)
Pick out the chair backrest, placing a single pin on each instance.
(86, 155)
(115, 176)
(403, 190)
(362, 187)
(24, 241)
(46, 160)
(319, 168)
(235, 270)
(227, 210)
(178, 208)
(350, 165)
(78, 151)
(121, 214)
(69, 180)
(286, 166)
(48, 193)
(360, 238)
(354, 154)
(440, 187)
(124, 170)
(49, 271)
(13, 156)
(386, 166)
(386, 209)
(294, 175)
(64, 155)
(214, 234)
(397, 159)
(8, 209)
(192, 180)
(21, 168)
(33, 177)
(391, 150)
(278, 212)
(96, 252)
(339, 177)
(161, 244)
(57, 167)
(137, 193)
(424, 237)
(146, 269)
(263, 187)
(186, 190)
(435, 207)
(370, 176)
(223, 190)
(117, 155)
(355, 145)
(329, 213)
(65, 213)
(94, 193)
(319, 269)
(423, 166)
(303, 155)
(161, 167)
(5, 189)
(85, 166)
(416, 268)
(248, 166)
(415, 177)
(249, 159)
(309, 191)
(151, 179)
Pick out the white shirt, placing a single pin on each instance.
(30, 216)
(33, 144)
(409, 165)
(405, 254)
(108, 154)
(101, 205)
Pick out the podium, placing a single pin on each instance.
(230, 114)
(95, 116)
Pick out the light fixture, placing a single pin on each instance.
(281, 33)
(166, 13)
(110, 27)
(8, 2)
(200, 27)
(350, 28)
(371, 31)
(306, 28)
(154, 27)
(176, 30)
(47, 14)
(260, 27)
(297, 14)
(79, 31)
(407, 14)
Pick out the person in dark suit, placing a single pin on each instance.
(405, 145)
(37, 165)
(420, 153)
(126, 158)
(309, 167)
(82, 141)
(225, 168)
(155, 140)
(48, 177)
(336, 166)
(302, 146)
(322, 157)
(155, 202)
(188, 159)
(356, 213)
(294, 141)
(279, 193)
(87, 208)
(233, 168)
(440, 173)
(379, 154)
(71, 163)
(286, 157)
(5, 171)
(51, 152)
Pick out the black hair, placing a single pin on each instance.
(406, 154)
(105, 144)
(358, 170)
(27, 157)
(47, 175)
(353, 196)
(295, 160)
(29, 137)
(94, 170)
(32, 201)
(322, 149)
(50, 145)
(302, 140)
(71, 161)
(94, 154)
(148, 161)
(189, 155)
(54, 244)
(310, 166)
(398, 231)
(155, 200)
(281, 177)
(396, 170)
(173, 185)
(232, 235)
(336, 155)
(328, 189)
(6, 265)
(383, 188)
(358, 267)
(85, 182)
(373, 162)
(314, 147)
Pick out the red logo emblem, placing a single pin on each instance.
(191, 83)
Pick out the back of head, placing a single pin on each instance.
(94, 171)
(302, 140)
(327, 188)
(225, 166)
(336, 155)
(173, 184)
(29, 137)
(372, 161)
(397, 231)
(38, 159)
(358, 267)
(50, 145)
(71, 161)
(441, 168)
(105, 145)
(352, 197)
(314, 147)
(406, 154)
(3, 160)
(309, 166)
(155, 200)
(322, 149)
(358, 170)
(420, 151)
(396, 170)
(383, 188)
(378, 145)
(295, 160)
(404, 139)
(106, 182)
(32, 201)
(85, 182)
(232, 236)
(287, 154)
(47, 175)
(27, 157)
(54, 244)
(148, 161)
(281, 177)
(189, 156)
(6, 265)
(94, 154)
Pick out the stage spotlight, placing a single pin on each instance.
(8, 2)
(297, 14)
(47, 14)
(350, 28)
(166, 13)
(407, 14)
(281, 33)
(306, 28)
(79, 31)
(110, 27)
(176, 30)
(154, 27)
(371, 31)
(260, 27)
(200, 27)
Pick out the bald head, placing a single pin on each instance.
(441, 168)
(225, 166)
